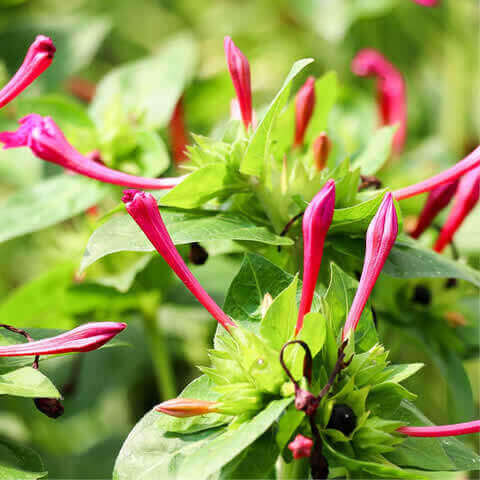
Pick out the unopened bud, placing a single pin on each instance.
(266, 302)
(301, 447)
(186, 407)
(51, 407)
(321, 149)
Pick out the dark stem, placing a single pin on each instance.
(24, 334)
(307, 362)
(287, 227)
(369, 181)
(318, 463)
(71, 386)
(339, 366)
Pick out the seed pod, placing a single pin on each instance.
(422, 295)
(51, 407)
(343, 418)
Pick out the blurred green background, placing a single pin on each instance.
(436, 49)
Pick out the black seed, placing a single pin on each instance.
(422, 295)
(343, 418)
(451, 283)
(51, 407)
(198, 255)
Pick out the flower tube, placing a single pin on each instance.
(316, 222)
(442, 430)
(470, 162)
(186, 407)
(391, 91)
(304, 105)
(39, 57)
(427, 3)
(381, 235)
(240, 73)
(85, 338)
(143, 208)
(466, 197)
(46, 141)
(437, 200)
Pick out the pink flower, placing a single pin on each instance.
(381, 235)
(240, 72)
(391, 91)
(186, 407)
(466, 197)
(321, 150)
(301, 447)
(142, 207)
(316, 222)
(437, 200)
(442, 430)
(38, 59)
(304, 105)
(46, 140)
(427, 3)
(85, 338)
(178, 133)
(453, 173)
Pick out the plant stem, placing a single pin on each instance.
(295, 470)
(160, 355)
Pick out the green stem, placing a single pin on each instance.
(295, 470)
(160, 355)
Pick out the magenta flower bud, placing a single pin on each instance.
(240, 72)
(442, 430)
(186, 407)
(427, 3)
(470, 162)
(46, 140)
(301, 447)
(321, 150)
(39, 57)
(391, 91)
(143, 208)
(316, 222)
(381, 235)
(85, 338)
(466, 197)
(304, 105)
(437, 200)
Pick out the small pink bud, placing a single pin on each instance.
(316, 222)
(47, 142)
(178, 133)
(442, 430)
(470, 162)
(186, 407)
(391, 91)
(381, 235)
(437, 200)
(39, 57)
(301, 447)
(466, 197)
(427, 3)
(240, 73)
(321, 150)
(85, 338)
(143, 208)
(304, 105)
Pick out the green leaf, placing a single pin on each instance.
(152, 153)
(200, 389)
(122, 234)
(47, 203)
(408, 259)
(376, 152)
(259, 145)
(219, 451)
(202, 185)
(278, 325)
(438, 454)
(18, 462)
(27, 382)
(149, 88)
(400, 372)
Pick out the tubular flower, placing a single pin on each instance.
(321, 150)
(142, 207)
(85, 338)
(304, 105)
(178, 133)
(470, 162)
(391, 91)
(466, 197)
(186, 407)
(316, 222)
(427, 3)
(381, 235)
(240, 72)
(442, 430)
(301, 447)
(39, 57)
(437, 200)
(46, 141)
